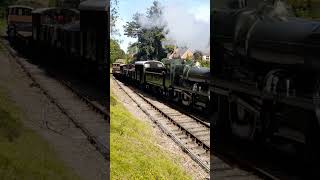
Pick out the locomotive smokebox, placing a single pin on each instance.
(268, 34)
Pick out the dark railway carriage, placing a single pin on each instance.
(48, 25)
(95, 33)
(131, 73)
(79, 35)
(19, 18)
(116, 68)
(70, 39)
(19, 24)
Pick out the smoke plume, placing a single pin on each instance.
(184, 29)
(281, 10)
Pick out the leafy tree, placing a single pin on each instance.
(132, 48)
(115, 51)
(169, 48)
(197, 55)
(306, 8)
(205, 63)
(149, 38)
(4, 3)
(114, 15)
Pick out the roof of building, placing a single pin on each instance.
(182, 51)
(179, 52)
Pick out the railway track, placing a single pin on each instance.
(93, 126)
(190, 134)
(193, 136)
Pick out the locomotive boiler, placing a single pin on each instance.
(266, 36)
(265, 75)
(190, 83)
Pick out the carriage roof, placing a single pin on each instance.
(45, 10)
(20, 6)
(94, 5)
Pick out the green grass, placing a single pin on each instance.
(3, 26)
(23, 153)
(134, 153)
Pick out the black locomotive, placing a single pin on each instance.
(171, 78)
(265, 74)
(76, 34)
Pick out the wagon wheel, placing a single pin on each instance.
(243, 122)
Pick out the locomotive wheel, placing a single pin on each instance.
(186, 99)
(243, 121)
(176, 96)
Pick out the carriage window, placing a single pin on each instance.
(20, 12)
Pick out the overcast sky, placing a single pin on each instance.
(200, 9)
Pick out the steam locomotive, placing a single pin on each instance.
(64, 31)
(173, 78)
(265, 75)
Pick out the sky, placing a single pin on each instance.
(200, 9)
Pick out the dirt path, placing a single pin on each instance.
(47, 120)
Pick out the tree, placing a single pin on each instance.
(115, 51)
(114, 15)
(149, 38)
(132, 48)
(169, 48)
(305, 8)
(197, 55)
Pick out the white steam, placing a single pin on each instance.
(184, 29)
(281, 10)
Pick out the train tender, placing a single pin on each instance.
(265, 83)
(171, 78)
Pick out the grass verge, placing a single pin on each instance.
(2, 26)
(133, 152)
(24, 154)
